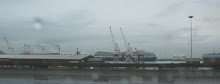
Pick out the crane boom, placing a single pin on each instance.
(129, 50)
(10, 49)
(125, 41)
(116, 48)
(113, 40)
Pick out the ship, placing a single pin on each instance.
(43, 58)
(108, 56)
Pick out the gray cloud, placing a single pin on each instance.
(211, 19)
(153, 25)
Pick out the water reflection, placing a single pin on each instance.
(94, 79)
(117, 78)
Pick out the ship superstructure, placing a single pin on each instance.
(108, 56)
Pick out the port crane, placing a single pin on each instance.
(116, 48)
(26, 49)
(10, 49)
(129, 50)
(42, 49)
(58, 49)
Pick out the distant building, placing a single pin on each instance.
(179, 57)
(213, 58)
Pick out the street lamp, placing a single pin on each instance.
(191, 34)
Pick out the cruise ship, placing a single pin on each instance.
(108, 56)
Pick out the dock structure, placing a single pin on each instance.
(170, 65)
(86, 61)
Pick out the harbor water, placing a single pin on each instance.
(108, 77)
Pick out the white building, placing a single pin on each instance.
(179, 57)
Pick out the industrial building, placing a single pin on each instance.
(179, 57)
(213, 58)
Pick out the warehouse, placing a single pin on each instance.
(213, 58)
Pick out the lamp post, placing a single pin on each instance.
(191, 34)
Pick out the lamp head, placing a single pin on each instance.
(190, 16)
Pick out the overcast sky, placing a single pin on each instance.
(159, 26)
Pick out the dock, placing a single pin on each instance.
(109, 65)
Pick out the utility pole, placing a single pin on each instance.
(191, 34)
